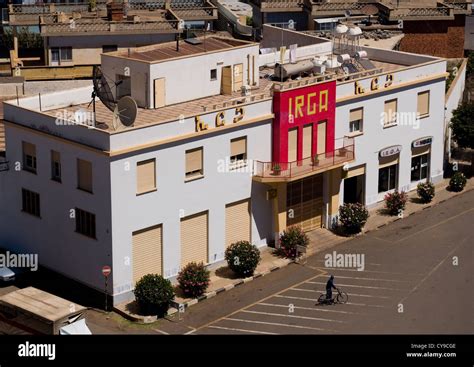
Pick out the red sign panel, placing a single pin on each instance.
(106, 270)
(299, 107)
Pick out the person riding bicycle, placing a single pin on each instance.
(329, 287)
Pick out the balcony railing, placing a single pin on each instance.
(286, 171)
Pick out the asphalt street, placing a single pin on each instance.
(417, 278)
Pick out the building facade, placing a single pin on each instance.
(220, 151)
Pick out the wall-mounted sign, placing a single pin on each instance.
(422, 142)
(374, 84)
(387, 152)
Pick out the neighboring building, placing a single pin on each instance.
(235, 17)
(74, 34)
(220, 151)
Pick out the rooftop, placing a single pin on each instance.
(166, 51)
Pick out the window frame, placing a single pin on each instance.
(395, 178)
(197, 174)
(428, 106)
(239, 162)
(54, 176)
(26, 167)
(390, 123)
(30, 202)
(154, 188)
(421, 168)
(81, 218)
(213, 78)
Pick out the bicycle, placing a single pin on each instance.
(340, 297)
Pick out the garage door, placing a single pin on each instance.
(147, 252)
(194, 238)
(237, 222)
(305, 203)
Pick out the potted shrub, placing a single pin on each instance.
(92, 5)
(457, 182)
(353, 217)
(395, 202)
(425, 191)
(315, 160)
(242, 258)
(153, 294)
(193, 279)
(291, 239)
(276, 169)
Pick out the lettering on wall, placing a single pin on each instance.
(374, 84)
(219, 119)
(309, 104)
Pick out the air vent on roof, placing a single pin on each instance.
(193, 41)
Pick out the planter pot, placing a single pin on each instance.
(276, 172)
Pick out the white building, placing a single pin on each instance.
(205, 164)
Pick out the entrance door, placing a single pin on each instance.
(226, 80)
(354, 189)
(304, 202)
(159, 92)
(238, 77)
(321, 148)
(55, 56)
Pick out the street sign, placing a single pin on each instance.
(106, 270)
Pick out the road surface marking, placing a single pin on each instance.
(434, 225)
(350, 294)
(261, 300)
(161, 331)
(362, 286)
(279, 324)
(315, 300)
(309, 308)
(293, 316)
(242, 330)
(433, 270)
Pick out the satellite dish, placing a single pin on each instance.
(126, 111)
(102, 89)
(347, 13)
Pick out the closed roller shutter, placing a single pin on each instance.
(424, 103)
(147, 252)
(305, 203)
(237, 222)
(194, 238)
(84, 175)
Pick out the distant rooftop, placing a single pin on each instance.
(165, 51)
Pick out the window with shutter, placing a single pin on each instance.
(194, 164)
(424, 103)
(55, 166)
(84, 175)
(390, 112)
(29, 157)
(146, 176)
(355, 120)
(238, 151)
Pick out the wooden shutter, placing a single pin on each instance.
(420, 150)
(147, 251)
(194, 160)
(356, 114)
(146, 176)
(292, 144)
(194, 239)
(388, 161)
(238, 146)
(237, 222)
(238, 77)
(389, 109)
(55, 156)
(321, 137)
(356, 171)
(424, 103)
(159, 92)
(307, 140)
(84, 175)
(29, 149)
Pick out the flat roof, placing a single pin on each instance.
(166, 51)
(43, 304)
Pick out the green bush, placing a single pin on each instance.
(290, 239)
(425, 191)
(193, 279)
(457, 182)
(242, 258)
(353, 217)
(395, 202)
(153, 294)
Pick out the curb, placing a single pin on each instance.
(184, 305)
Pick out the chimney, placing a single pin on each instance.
(115, 11)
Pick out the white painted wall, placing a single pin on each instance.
(53, 236)
(375, 137)
(174, 196)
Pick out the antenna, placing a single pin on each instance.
(126, 111)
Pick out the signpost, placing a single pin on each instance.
(106, 270)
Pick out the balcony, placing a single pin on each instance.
(291, 171)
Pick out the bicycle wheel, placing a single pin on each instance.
(322, 299)
(342, 297)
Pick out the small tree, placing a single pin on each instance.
(242, 258)
(462, 125)
(457, 182)
(353, 217)
(153, 294)
(425, 191)
(290, 239)
(193, 279)
(395, 202)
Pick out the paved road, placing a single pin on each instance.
(418, 278)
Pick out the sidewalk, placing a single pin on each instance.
(223, 279)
